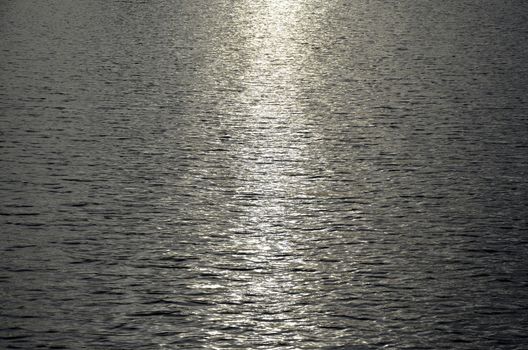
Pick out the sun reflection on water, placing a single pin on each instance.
(265, 295)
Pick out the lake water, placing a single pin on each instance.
(268, 174)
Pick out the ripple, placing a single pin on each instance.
(264, 175)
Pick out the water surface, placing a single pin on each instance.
(296, 174)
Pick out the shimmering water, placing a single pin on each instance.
(269, 174)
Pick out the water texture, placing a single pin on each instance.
(235, 174)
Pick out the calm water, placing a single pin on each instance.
(235, 174)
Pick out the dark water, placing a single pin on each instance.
(235, 174)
